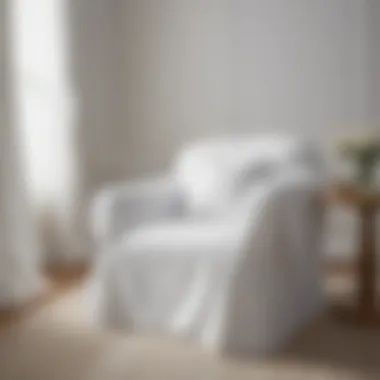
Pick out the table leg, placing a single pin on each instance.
(367, 311)
(364, 312)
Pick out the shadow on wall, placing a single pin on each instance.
(94, 81)
(93, 30)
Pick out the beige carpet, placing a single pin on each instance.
(60, 343)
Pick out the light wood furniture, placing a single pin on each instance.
(365, 311)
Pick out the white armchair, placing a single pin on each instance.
(225, 250)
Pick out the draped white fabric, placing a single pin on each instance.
(19, 250)
(47, 115)
(239, 274)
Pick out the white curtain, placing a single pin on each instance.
(19, 249)
(46, 108)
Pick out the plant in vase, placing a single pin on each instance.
(365, 154)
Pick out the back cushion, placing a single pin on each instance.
(213, 173)
(201, 173)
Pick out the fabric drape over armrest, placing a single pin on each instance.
(279, 267)
(119, 208)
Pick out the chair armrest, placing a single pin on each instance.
(295, 198)
(280, 264)
(116, 209)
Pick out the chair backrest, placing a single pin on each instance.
(213, 172)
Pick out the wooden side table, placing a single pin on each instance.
(365, 312)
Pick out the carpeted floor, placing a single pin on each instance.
(61, 343)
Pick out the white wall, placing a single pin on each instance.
(302, 64)
(206, 67)
(176, 60)
(96, 51)
(374, 26)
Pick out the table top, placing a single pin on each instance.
(354, 196)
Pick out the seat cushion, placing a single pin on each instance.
(180, 237)
(171, 275)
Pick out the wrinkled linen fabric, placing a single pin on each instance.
(245, 279)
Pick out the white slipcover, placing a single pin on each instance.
(224, 250)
